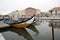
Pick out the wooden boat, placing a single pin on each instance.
(20, 24)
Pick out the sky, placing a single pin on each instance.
(7, 6)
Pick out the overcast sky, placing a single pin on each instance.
(7, 6)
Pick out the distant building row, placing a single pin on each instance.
(28, 12)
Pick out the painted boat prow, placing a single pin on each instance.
(24, 24)
(19, 24)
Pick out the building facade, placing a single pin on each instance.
(44, 14)
(14, 15)
(22, 14)
(55, 11)
(26, 13)
(1, 16)
(30, 11)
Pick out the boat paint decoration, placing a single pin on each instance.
(23, 25)
(19, 24)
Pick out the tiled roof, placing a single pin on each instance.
(56, 8)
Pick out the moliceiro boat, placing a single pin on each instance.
(19, 24)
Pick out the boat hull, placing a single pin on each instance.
(20, 25)
(23, 25)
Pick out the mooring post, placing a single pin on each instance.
(52, 29)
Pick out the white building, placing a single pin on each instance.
(55, 11)
(14, 15)
(22, 14)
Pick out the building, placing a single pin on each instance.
(44, 14)
(26, 13)
(22, 14)
(55, 11)
(1, 16)
(38, 13)
(6, 17)
(30, 11)
(14, 15)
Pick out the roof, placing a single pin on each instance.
(56, 8)
(30, 8)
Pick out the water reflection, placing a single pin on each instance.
(21, 32)
(31, 27)
(56, 23)
(5, 29)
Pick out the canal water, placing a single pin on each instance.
(43, 31)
